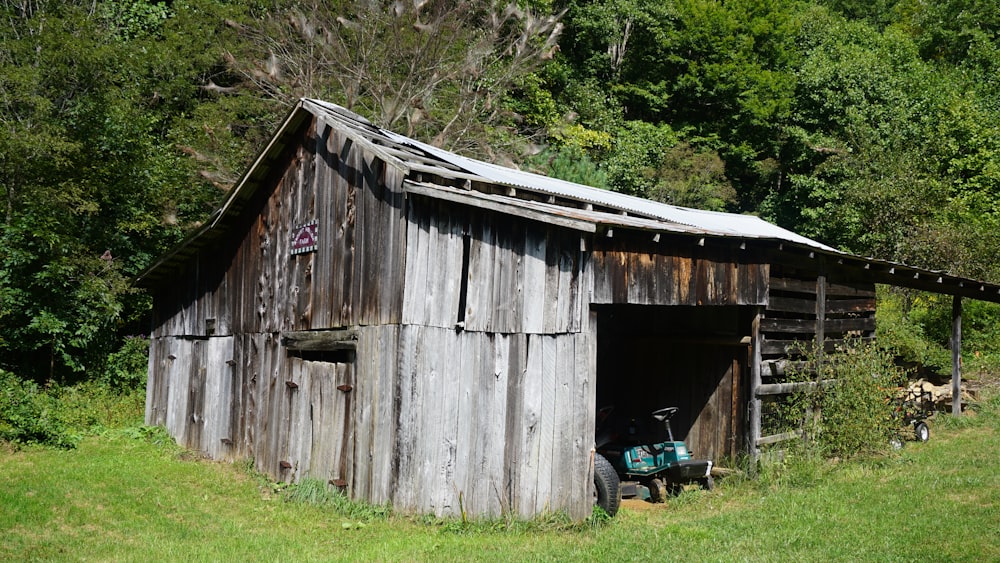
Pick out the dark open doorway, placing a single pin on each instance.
(694, 358)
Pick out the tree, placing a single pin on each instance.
(92, 192)
(434, 70)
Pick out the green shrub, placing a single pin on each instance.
(92, 406)
(59, 416)
(30, 415)
(855, 414)
(126, 368)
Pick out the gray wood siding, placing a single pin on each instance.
(256, 284)
(492, 423)
(498, 423)
(519, 276)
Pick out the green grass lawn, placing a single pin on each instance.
(125, 496)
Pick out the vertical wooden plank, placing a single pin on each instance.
(386, 414)
(178, 375)
(531, 429)
(549, 446)
(429, 405)
(451, 269)
(347, 378)
(415, 290)
(514, 462)
(194, 416)
(363, 396)
(155, 368)
(299, 439)
(479, 297)
(218, 396)
(372, 231)
(251, 365)
(493, 451)
(406, 463)
(468, 421)
(324, 447)
(534, 282)
(392, 293)
(323, 286)
(343, 313)
(820, 315)
(563, 449)
(358, 246)
(450, 394)
(585, 415)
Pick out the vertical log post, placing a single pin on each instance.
(820, 318)
(755, 402)
(813, 416)
(956, 356)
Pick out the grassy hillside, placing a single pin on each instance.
(132, 495)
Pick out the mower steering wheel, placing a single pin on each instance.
(664, 413)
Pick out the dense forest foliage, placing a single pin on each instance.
(873, 126)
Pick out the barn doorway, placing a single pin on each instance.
(694, 358)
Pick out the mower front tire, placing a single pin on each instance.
(922, 432)
(607, 486)
(657, 490)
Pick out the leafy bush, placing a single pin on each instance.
(29, 415)
(126, 368)
(855, 414)
(60, 416)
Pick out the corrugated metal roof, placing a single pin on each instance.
(707, 222)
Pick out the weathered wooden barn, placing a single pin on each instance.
(435, 332)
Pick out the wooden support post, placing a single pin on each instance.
(755, 401)
(956, 356)
(820, 317)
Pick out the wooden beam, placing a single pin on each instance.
(803, 326)
(775, 438)
(771, 389)
(783, 366)
(956, 356)
(515, 207)
(320, 340)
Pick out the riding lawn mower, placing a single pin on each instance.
(629, 465)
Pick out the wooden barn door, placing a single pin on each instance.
(327, 425)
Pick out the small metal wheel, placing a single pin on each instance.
(707, 483)
(922, 432)
(896, 443)
(657, 490)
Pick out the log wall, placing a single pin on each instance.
(806, 311)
